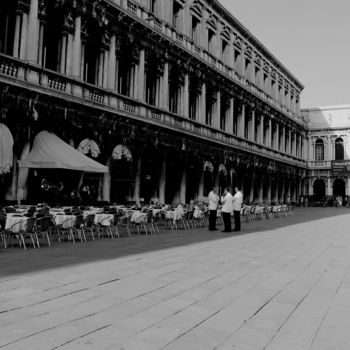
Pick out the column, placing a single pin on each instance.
(33, 32)
(112, 63)
(63, 53)
(275, 199)
(186, 101)
(23, 37)
(183, 186)
(241, 122)
(229, 117)
(289, 195)
(162, 179)
(203, 104)
(141, 76)
(277, 145)
(261, 129)
(165, 90)
(251, 132)
(16, 41)
(311, 188)
(283, 146)
(201, 186)
(137, 189)
(261, 189)
(106, 192)
(251, 194)
(269, 180)
(217, 114)
(41, 43)
(289, 150)
(76, 57)
(69, 60)
(283, 192)
(269, 134)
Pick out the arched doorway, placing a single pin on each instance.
(339, 149)
(339, 188)
(319, 189)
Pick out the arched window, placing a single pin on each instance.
(339, 149)
(319, 150)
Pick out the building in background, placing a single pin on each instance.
(329, 151)
(173, 96)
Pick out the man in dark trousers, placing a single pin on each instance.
(226, 210)
(213, 206)
(237, 204)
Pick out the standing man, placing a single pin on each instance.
(227, 207)
(213, 206)
(237, 204)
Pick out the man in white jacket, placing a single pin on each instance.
(227, 207)
(213, 206)
(237, 204)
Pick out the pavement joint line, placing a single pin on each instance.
(84, 335)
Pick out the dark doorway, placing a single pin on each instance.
(319, 189)
(339, 188)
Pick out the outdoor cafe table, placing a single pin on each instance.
(137, 216)
(64, 220)
(14, 219)
(104, 219)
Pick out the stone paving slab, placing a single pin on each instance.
(280, 284)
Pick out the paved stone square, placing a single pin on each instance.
(281, 284)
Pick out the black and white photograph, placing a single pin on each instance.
(174, 175)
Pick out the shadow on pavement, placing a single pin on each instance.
(15, 260)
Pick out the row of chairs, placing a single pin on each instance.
(254, 212)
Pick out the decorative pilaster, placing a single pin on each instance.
(269, 180)
(241, 121)
(217, 114)
(186, 107)
(137, 189)
(165, 90)
(229, 117)
(162, 180)
(251, 194)
(203, 104)
(141, 76)
(77, 49)
(183, 186)
(33, 32)
(261, 130)
(112, 63)
(106, 192)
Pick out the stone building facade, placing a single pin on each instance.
(329, 151)
(187, 93)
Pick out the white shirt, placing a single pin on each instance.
(227, 205)
(237, 201)
(213, 200)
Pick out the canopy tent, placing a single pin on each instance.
(49, 152)
(6, 152)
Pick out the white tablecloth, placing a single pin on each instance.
(104, 219)
(11, 220)
(64, 220)
(138, 216)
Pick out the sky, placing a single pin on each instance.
(311, 38)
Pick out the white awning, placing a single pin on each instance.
(6, 149)
(50, 152)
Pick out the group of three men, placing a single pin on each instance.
(229, 204)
